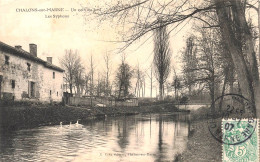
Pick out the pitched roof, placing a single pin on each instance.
(27, 55)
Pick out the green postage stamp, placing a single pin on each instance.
(240, 140)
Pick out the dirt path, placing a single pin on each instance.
(202, 146)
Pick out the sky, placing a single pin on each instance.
(53, 36)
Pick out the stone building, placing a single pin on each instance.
(24, 76)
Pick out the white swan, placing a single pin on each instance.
(77, 124)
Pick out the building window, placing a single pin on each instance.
(50, 92)
(32, 89)
(13, 83)
(28, 66)
(7, 60)
(53, 75)
(57, 93)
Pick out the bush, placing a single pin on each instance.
(184, 100)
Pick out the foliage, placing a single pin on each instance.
(184, 100)
(123, 79)
(162, 57)
(141, 18)
(190, 61)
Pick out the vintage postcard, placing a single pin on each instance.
(129, 80)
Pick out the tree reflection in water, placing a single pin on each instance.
(149, 137)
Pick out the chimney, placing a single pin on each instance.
(33, 49)
(49, 60)
(18, 47)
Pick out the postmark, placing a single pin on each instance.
(228, 112)
(243, 151)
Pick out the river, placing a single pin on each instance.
(155, 137)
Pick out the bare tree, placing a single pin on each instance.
(257, 9)
(176, 85)
(151, 81)
(143, 81)
(92, 68)
(102, 86)
(86, 83)
(140, 82)
(107, 59)
(123, 77)
(138, 18)
(162, 57)
(189, 62)
(150, 76)
(71, 62)
(231, 20)
(98, 86)
(210, 61)
(237, 35)
(79, 79)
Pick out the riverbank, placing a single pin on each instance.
(201, 145)
(28, 116)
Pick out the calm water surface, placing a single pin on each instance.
(155, 137)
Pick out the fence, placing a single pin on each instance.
(106, 102)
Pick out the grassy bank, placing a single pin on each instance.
(18, 116)
(201, 146)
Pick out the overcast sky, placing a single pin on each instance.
(53, 36)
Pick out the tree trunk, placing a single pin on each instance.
(136, 88)
(175, 89)
(235, 47)
(259, 30)
(151, 83)
(160, 90)
(70, 88)
(120, 89)
(81, 90)
(231, 79)
(212, 96)
(189, 87)
(223, 89)
(78, 91)
(144, 87)
(107, 84)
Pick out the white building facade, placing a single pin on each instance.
(24, 76)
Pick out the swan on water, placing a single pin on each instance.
(77, 122)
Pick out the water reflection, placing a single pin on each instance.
(155, 137)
